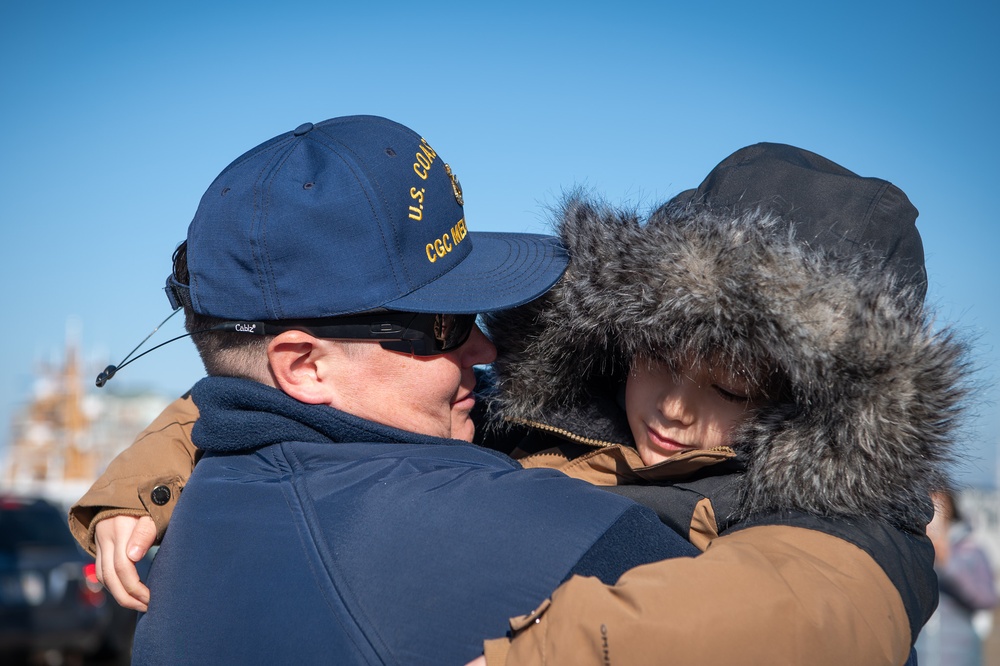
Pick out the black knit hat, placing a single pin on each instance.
(831, 208)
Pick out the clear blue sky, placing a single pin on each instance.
(116, 117)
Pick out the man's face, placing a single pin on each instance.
(697, 407)
(429, 395)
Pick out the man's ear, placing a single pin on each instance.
(296, 360)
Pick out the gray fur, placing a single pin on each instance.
(875, 391)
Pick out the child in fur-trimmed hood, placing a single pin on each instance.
(802, 280)
(756, 353)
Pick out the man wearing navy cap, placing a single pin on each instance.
(340, 513)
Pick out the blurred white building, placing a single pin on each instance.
(67, 432)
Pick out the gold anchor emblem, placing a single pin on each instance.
(455, 185)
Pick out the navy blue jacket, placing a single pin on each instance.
(307, 535)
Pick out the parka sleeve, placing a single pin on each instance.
(770, 594)
(145, 479)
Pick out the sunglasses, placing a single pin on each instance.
(410, 332)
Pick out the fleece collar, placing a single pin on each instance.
(242, 415)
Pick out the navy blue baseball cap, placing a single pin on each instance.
(349, 215)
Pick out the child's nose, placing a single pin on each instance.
(676, 405)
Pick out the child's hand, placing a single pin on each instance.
(120, 542)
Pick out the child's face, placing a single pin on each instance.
(698, 407)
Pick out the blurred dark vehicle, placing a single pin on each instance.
(53, 610)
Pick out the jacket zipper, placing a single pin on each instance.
(573, 437)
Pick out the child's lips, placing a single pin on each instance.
(666, 443)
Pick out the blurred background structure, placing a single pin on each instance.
(982, 509)
(66, 432)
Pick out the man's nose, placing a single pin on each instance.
(478, 349)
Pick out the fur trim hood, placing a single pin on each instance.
(872, 390)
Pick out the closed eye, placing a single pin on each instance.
(729, 395)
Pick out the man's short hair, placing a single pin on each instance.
(223, 353)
